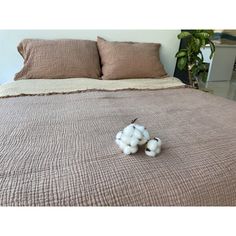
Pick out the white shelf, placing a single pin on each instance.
(222, 63)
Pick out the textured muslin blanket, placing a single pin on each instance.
(60, 86)
(59, 150)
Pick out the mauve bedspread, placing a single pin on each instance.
(59, 150)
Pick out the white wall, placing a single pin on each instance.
(11, 61)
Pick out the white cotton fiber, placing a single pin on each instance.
(158, 141)
(142, 141)
(130, 150)
(150, 153)
(139, 127)
(145, 137)
(134, 142)
(129, 130)
(120, 144)
(119, 134)
(125, 139)
(146, 134)
(137, 134)
(153, 147)
(134, 149)
(134, 135)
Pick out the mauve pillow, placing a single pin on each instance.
(121, 60)
(59, 59)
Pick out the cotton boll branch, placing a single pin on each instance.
(133, 120)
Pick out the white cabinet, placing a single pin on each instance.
(222, 63)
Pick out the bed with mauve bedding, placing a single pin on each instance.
(59, 149)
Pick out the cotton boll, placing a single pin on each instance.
(142, 141)
(158, 141)
(134, 142)
(127, 150)
(134, 135)
(130, 150)
(145, 137)
(139, 127)
(118, 141)
(146, 134)
(129, 130)
(121, 144)
(150, 153)
(152, 145)
(119, 134)
(137, 134)
(134, 149)
(125, 139)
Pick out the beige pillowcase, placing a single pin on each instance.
(121, 60)
(59, 59)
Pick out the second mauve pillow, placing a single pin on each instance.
(121, 60)
(59, 59)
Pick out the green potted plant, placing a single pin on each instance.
(191, 58)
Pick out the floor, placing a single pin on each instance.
(225, 89)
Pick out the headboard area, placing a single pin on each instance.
(11, 61)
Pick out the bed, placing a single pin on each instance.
(57, 144)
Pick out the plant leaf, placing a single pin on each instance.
(203, 43)
(202, 67)
(198, 59)
(197, 43)
(210, 32)
(191, 56)
(182, 62)
(202, 58)
(184, 35)
(181, 54)
(202, 35)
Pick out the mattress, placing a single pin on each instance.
(59, 150)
